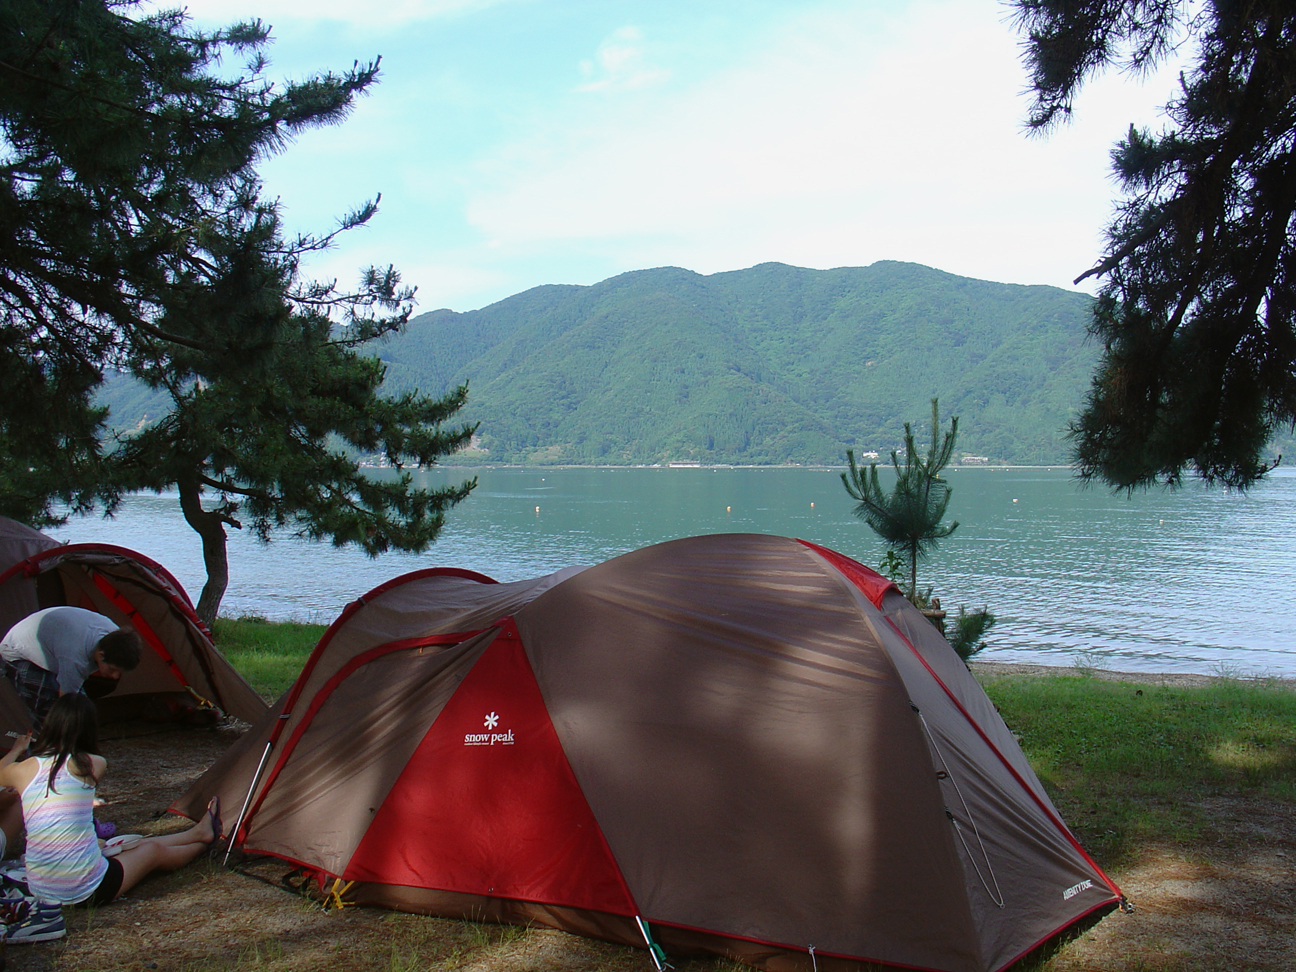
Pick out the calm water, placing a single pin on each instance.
(1197, 581)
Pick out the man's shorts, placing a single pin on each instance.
(35, 686)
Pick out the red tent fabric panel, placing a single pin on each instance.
(489, 805)
(870, 583)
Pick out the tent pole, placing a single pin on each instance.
(246, 800)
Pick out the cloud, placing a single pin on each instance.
(846, 137)
(620, 65)
(819, 133)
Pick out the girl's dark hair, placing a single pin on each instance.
(70, 731)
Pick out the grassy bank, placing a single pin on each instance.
(268, 654)
(1129, 763)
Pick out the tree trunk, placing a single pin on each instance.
(210, 526)
(913, 573)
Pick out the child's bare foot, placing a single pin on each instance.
(212, 821)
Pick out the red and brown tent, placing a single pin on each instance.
(136, 592)
(745, 745)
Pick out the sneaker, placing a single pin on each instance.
(14, 910)
(43, 924)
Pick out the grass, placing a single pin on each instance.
(1129, 763)
(269, 654)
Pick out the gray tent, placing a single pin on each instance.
(745, 745)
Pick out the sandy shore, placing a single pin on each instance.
(986, 669)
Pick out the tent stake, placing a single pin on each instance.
(655, 950)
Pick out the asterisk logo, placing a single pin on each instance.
(492, 720)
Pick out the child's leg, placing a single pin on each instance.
(165, 853)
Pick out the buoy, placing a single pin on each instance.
(728, 509)
(537, 509)
(812, 506)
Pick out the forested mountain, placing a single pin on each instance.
(774, 364)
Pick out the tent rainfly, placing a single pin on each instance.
(136, 592)
(18, 542)
(740, 744)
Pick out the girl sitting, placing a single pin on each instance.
(66, 863)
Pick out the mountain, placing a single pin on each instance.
(774, 364)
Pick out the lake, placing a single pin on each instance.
(1197, 580)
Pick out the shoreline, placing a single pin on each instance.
(813, 467)
(1175, 679)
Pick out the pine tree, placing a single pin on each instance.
(1197, 309)
(908, 520)
(279, 446)
(133, 236)
(122, 150)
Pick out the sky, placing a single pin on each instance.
(517, 143)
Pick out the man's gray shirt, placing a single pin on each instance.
(61, 640)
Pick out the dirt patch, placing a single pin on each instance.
(1229, 903)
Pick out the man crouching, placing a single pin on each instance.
(53, 652)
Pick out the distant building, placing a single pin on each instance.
(974, 460)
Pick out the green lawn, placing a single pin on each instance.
(1127, 763)
(268, 654)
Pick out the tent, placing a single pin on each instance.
(133, 591)
(18, 542)
(739, 744)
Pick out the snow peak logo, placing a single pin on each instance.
(489, 738)
(1075, 889)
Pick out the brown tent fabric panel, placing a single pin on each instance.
(1018, 893)
(18, 597)
(413, 607)
(720, 679)
(780, 752)
(1019, 861)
